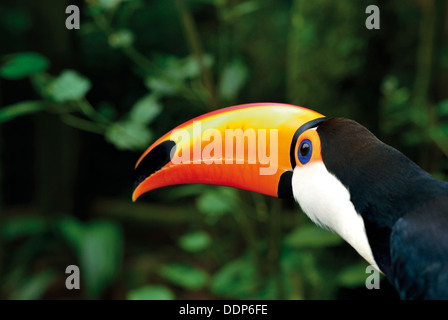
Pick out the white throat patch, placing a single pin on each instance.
(326, 201)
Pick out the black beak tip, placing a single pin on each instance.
(158, 157)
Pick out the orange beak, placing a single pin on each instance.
(248, 146)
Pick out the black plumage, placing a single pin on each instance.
(405, 210)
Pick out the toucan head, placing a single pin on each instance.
(269, 148)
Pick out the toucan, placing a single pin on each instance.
(392, 212)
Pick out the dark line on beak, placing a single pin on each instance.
(153, 161)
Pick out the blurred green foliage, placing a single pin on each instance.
(138, 68)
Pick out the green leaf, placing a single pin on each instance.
(353, 276)
(23, 226)
(311, 236)
(164, 85)
(185, 276)
(121, 39)
(195, 241)
(151, 293)
(239, 10)
(22, 65)
(442, 108)
(190, 67)
(291, 259)
(233, 79)
(19, 109)
(176, 72)
(145, 110)
(101, 256)
(35, 286)
(236, 279)
(128, 135)
(217, 201)
(99, 248)
(109, 4)
(444, 129)
(184, 68)
(73, 232)
(68, 86)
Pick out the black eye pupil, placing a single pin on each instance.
(304, 149)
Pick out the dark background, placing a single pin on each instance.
(78, 107)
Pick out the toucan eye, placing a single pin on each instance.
(305, 151)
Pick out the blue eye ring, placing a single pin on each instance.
(305, 151)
